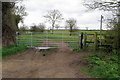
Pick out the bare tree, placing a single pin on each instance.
(41, 27)
(102, 4)
(111, 5)
(71, 24)
(114, 7)
(53, 16)
(57, 26)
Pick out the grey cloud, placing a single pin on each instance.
(69, 8)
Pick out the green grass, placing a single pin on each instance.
(10, 50)
(104, 65)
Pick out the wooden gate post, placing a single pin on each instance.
(95, 41)
(84, 38)
(80, 40)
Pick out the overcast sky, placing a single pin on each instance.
(36, 9)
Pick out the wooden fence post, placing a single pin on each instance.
(95, 41)
(84, 38)
(80, 40)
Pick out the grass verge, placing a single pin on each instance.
(104, 65)
(13, 49)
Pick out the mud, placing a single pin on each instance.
(59, 63)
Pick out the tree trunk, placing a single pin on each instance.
(8, 25)
(8, 36)
(52, 27)
(70, 31)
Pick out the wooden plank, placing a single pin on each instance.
(89, 42)
(89, 34)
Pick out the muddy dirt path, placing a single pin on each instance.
(60, 63)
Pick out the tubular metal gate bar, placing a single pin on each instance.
(47, 39)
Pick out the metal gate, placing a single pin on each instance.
(48, 39)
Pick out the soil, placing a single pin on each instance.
(59, 63)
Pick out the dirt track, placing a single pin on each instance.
(60, 63)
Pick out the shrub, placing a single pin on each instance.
(39, 28)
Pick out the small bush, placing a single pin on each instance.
(38, 28)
